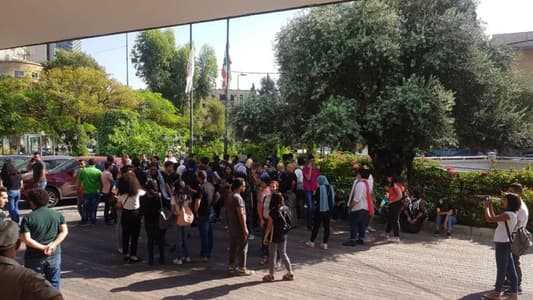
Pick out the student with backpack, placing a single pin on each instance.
(276, 237)
(181, 207)
(361, 208)
(324, 205)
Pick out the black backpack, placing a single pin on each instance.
(285, 215)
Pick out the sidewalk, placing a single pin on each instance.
(421, 267)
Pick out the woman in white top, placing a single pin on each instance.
(129, 194)
(502, 243)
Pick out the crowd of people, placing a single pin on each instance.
(252, 200)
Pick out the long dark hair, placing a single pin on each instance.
(128, 184)
(276, 200)
(513, 202)
(7, 170)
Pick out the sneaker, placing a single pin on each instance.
(395, 239)
(350, 243)
(310, 244)
(245, 272)
(251, 237)
(232, 268)
(386, 235)
(324, 246)
(120, 250)
(204, 259)
(360, 242)
(437, 232)
(177, 261)
(187, 259)
(448, 234)
(371, 229)
(263, 261)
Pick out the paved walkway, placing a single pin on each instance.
(421, 267)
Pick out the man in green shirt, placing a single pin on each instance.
(43, 231)
(89, 178)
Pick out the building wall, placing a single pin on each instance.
(20, 69)
(235, 96)
(525, 60)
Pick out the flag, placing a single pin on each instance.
(226, 71)
(190, 71)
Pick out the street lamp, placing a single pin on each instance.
(239, 75)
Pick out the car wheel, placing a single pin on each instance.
(53, 196)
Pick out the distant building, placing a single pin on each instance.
(14, 62)
(43, 53)
(235, 96)
(522, 42)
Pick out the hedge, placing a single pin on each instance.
(431, 182)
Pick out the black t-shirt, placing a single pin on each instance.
(150, 207)
(287, 180)
(445, 206)
(38, 169)
(279, 235)
(207, 192)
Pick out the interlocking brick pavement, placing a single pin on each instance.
(421, 267)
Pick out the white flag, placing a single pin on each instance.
(190, 71)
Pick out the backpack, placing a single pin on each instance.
(286, 218)
(520, 240)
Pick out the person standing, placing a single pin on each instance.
(504, 259)
(396, 190)
(522, 218)
(129, 193)
(43, 231)
(12, 181)
(203, 209)
(107, 184)
(18, 282)
(79, 188)
(361, 207)
(90, 180)
(311, 173)
(3, 201)
(151, 205)
(276, 237)
(181, 200)
(300, 195)
(39, 171)
(323, 210)
(238, 231)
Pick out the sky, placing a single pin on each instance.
(252, 41)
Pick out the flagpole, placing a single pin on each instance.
(191, 101)
(227, 91)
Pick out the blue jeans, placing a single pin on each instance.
(90, 206)
(205, 225)
(309, 210)
(13, 198)
(41, 185)
(182, 249)
(505, 266)
(452, 220)
(358, 222)
(49, 267)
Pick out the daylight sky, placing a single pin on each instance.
(252, 39)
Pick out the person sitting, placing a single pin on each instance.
(413, 215)
(445, 218)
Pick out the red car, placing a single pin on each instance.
(61, 181)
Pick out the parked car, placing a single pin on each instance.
(61, 181)
(18, 160)
(50, 162)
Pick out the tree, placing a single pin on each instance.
(73, 59)
(268, 86)
(14, 100)
(375, 55)
(206, 72)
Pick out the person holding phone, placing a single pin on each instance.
(311, 173)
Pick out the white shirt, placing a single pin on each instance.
(299, 179)
(360, 197)
(500, 234)
(522, 216)
(131, 202)
(172, 159)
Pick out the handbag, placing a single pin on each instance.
(185, 216)
(165, 215)
(520, 240)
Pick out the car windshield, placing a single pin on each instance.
(69, 164)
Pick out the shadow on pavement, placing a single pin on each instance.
(214, 292)
(475, 296)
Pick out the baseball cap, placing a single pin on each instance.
(9, 234)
